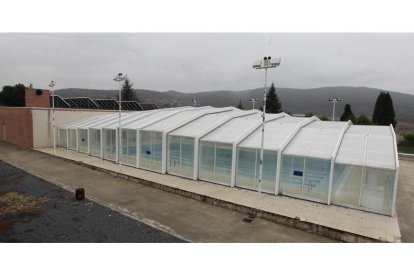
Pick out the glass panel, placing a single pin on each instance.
(346, 185)
(110, 144)
(72, 139)
(83, 140)
(377, 192)
(316, 182)
(173, 161)
(95, 137)
(63, 142)
(269, 171)
(223, 163)
(124, 145)
(145, 156)
(187, 157)
(206, 160)
(131, 156)
(157, 151)
(291, 177)
(246, 169)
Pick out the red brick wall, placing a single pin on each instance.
(34, 100)
(16, 125)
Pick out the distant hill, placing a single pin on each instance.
(362, 99)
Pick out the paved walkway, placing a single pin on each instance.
(183, 217)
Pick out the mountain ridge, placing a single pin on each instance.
(295, 100)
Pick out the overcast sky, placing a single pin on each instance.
(204, 62)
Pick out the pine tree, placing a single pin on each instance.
(384, 113)
(347, 113)
(240, 105)
(128, 93)
(273, 104)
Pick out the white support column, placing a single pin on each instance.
(333, 157)
(196, 156)
(77, 139)
(138, 150)
(67, 138)
(164, 153)
(117, 146)
(397, 172)
(102, 142)
(89, 141)
(233, 165)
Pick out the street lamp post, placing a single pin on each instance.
(51, 85)
(253, 100)
(120, 77)
(265, 63)
(334, 100)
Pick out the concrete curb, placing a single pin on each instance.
(307, 226)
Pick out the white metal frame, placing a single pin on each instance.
(333, 157)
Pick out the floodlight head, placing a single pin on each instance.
(119, 77)
(52, 83)
(257, 64)
(275, 61)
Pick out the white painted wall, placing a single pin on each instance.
(42, 122)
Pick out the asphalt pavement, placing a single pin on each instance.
(33, 210)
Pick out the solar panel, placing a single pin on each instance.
(130, 105)
(59, 102)
(82, 102)
(107, 104)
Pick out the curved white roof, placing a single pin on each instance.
(124, 121)
(317, 139)
(154, 117)
(276, 133)
(178, 119)
(371, 146)
(233, 129)
(205, 122)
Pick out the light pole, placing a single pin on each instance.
(51, 85)
(265, 63)
(120, 77)
(334, 100)
(253, 100)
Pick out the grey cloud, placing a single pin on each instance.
(202, 62)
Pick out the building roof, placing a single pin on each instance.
(371, 146)
(317, 139)
(276, 133)
(205, 122)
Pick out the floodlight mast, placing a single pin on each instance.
(253, 100)
(120, 77)
(265, 63)
(51, 85)
(334, 100)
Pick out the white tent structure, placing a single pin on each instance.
(327, 162)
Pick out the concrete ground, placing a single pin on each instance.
(183, 217)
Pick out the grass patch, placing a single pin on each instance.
(13, 203)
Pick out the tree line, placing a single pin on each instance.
(15, 95)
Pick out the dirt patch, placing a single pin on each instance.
(14, 203)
